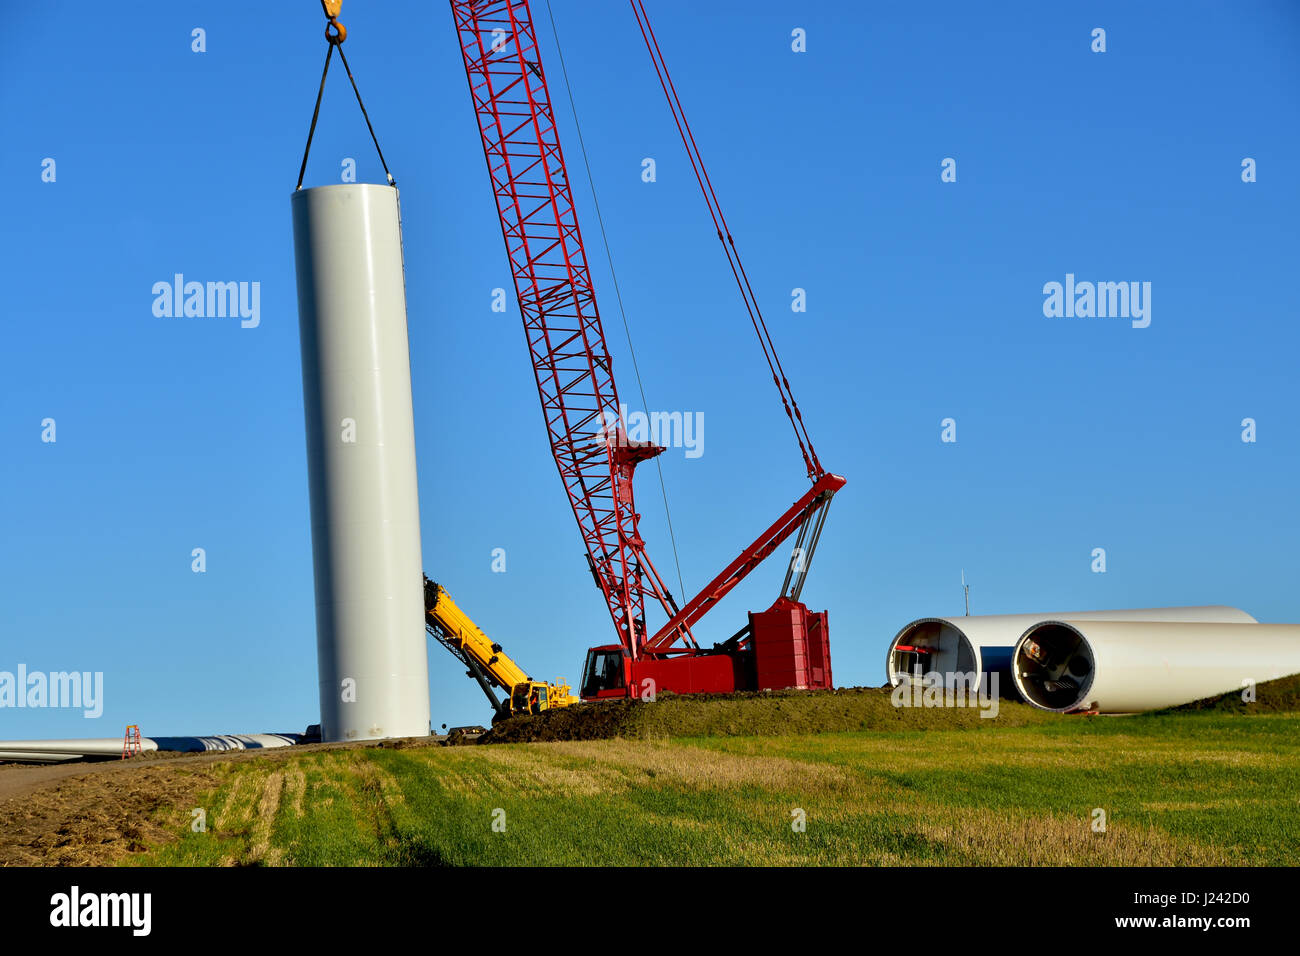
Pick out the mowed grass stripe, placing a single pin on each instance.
(1244, 804)
(1188, 789)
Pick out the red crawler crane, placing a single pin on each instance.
(785, 646)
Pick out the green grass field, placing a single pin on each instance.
(1190, 788)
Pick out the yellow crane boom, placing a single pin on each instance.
(487, 662)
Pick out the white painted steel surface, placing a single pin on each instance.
(1125, 667)
(958, 640)
(371, 648)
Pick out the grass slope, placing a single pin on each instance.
(1281, 696)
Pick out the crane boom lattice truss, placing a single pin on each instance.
(570, 357)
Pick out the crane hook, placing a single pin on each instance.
(332, 8)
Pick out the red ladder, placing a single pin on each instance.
(131, 741)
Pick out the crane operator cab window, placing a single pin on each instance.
(529, 698)
(604, 671)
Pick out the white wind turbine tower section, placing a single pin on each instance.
(984, 643)
(365, 518)
(1122, 667)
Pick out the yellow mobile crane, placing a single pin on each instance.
(488, 664)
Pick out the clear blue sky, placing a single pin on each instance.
(924, 301)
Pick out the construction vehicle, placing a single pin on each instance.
(487, 663)
(786, 645)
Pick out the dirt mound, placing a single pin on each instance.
(749, 714)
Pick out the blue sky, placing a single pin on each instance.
(924, 302)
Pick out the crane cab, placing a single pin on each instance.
(605, 674)
(533, 697)
(528, 697)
